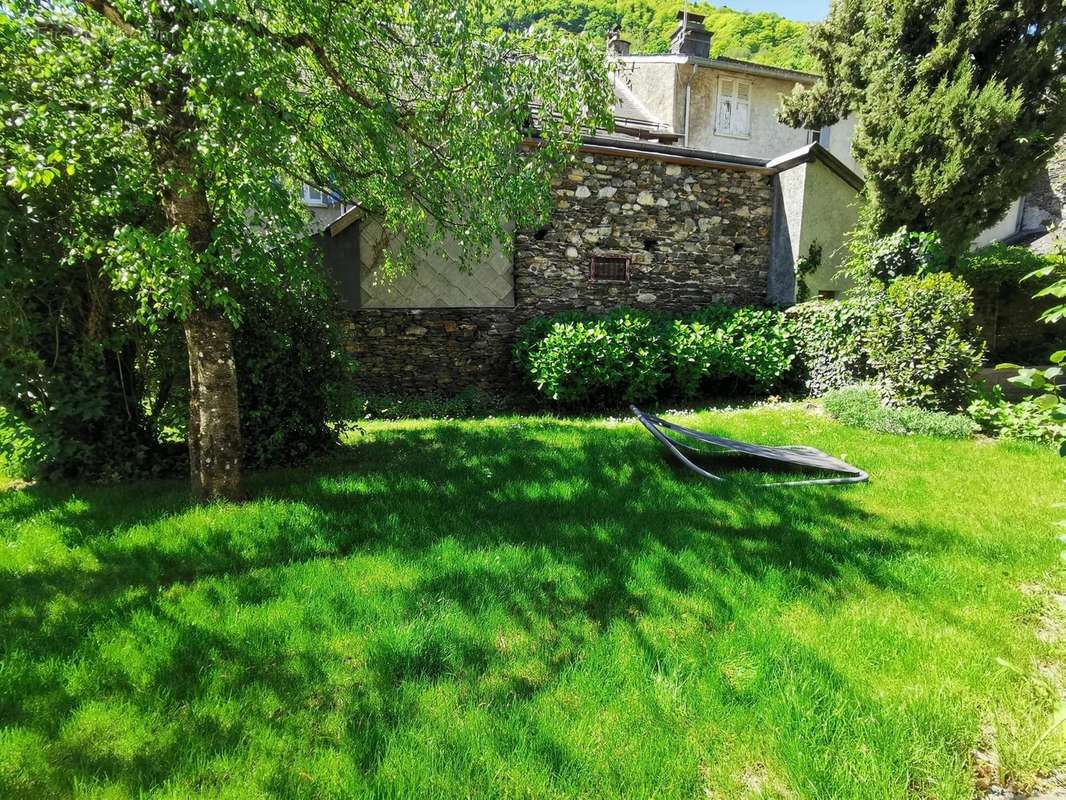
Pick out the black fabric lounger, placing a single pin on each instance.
(796, 458)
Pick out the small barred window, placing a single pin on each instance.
(609, 268)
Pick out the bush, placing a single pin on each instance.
(918, 343)
(861, 406)
(1025, 420)
(294, 378)
(896, 255)
(595, 360)
(632, 356)
(725, 350)
(828, 337)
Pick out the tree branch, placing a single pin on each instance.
(112, 15)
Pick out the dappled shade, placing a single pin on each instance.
(526, 607)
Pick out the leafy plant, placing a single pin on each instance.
(901, 253)
(633, 355)
(294, 375)
(601, 360)
(805, 267)
(1042, 416)
(830, 345)
(919, 345)
(1026, 419)
(862, 407)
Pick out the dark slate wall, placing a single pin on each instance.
(694, 234)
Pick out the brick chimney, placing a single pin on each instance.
(616, 45)
(690, 38)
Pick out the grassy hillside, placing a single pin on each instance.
(765, 38)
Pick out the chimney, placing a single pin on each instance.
(690, 38)
(616, 45)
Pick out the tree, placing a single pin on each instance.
(219, 111)
(959, 105)
(763, 37)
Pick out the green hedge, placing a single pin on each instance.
(633, 356)
(920, 345)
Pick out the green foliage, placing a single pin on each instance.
(761, 37)
(999, 263)
(830, 345)
(862, 407)
(1050, 402)
(1053, 270)
(919, 343)
(595, 360)
(634, 355)
(1028, 420)
(806, 266)
(911, 336)
(900, 253)
(959, 105)
(295, 378)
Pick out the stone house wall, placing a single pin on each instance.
(694, 235)
(1043, 204)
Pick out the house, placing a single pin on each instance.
(698, 195)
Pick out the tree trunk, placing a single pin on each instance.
(214, 416)
(214, 419)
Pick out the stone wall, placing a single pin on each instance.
(1043, 204)
(694, 235)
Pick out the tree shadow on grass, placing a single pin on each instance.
(554, 533)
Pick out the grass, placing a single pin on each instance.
(525, 607)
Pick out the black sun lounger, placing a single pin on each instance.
(789, 458)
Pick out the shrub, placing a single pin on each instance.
(862, 407)
(828, 336)
(294, 377)
(595, 360)
(918, 343)
(1025, 420)
(896, 255)
(631, 355)
(729, 350)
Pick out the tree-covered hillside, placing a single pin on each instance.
(763, 37)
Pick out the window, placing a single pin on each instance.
(820, 136)
(734, 108)
(315, 197)
(612, 269)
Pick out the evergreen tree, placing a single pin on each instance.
(959, 105)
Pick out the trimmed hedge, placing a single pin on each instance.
(912, 338)
(632, 356)
(829, 343)
(919, 343)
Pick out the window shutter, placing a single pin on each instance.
(733, 115)
(725, 114)
(742, 117)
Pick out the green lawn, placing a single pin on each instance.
(536, 608)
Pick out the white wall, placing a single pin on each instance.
(830, 212)
(1005, 227)
(769, 137)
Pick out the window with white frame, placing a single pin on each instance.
(733, 117)
(314, 197)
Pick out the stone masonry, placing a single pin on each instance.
(693, 234)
